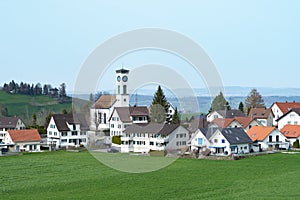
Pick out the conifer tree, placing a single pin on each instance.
(159, 107)
(175, 117)
(241, 106)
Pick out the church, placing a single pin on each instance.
(112, 112)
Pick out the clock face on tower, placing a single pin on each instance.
(119, 78)
(125, 78)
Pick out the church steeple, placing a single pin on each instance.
(122, 95)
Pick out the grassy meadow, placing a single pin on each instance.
(24, 106)
(70, 175)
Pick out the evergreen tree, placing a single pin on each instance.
(175, 117)
(241, 106)
(219, 103)
(254, 100)
(159, 107)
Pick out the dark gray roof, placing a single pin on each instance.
(162, 129)
(236, 135)
(197, 123)
(8, 122)
(208, 132)
(61, 121)
(122, 71)
(125, 112)
(231, 113)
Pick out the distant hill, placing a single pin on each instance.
(24, 106)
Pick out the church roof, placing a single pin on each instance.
(105, 101)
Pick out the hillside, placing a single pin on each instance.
(25, 106)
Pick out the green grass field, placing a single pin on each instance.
(24, 106)
(69, 175)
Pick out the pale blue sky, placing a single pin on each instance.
(252, 43)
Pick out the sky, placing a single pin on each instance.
(252, 43)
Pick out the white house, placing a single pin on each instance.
(281, 108)
(263, 115)
(267, 138)
(291, 132)
(200, 139)
(10, 123)
(122, 117)
(291, 117)
(157, 137)
(67, 130)
(102, 110)
(224, 114)
(229, 141)
(23, 140)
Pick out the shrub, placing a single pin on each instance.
(296, 144)
(116, 139)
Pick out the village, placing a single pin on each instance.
(115, 126)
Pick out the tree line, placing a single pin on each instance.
(34, 89)
(253, 100)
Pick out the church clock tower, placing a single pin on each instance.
(122, 95)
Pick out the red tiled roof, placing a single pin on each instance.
(244, 121)
(291, 131)
(24, 135)
(259, 132)
(286, 106)
(223, 123)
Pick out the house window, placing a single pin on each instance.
(183, 143)
(289, 122)
(277, 138)
(55, 133)
(112, 126)
(74, 133)
(82, 133)
(215, 140)
(119, 89)
(52, 126)
(50, 132)
(295, 122)
(215, 116)
(64, 134)
(113, 118)
(119, 125)
(223, 141)
(270, 138)
(64, 141)
(200, 141)
(245, 147)
(151, 143)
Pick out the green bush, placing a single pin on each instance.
(116, 140)
(296, 144)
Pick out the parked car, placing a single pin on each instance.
(112, 151)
